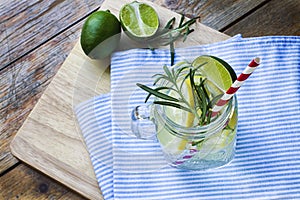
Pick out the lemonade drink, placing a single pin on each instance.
(189, 136)
(185, 143)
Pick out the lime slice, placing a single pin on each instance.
(222, 74)
(139, 20)
(217, 70)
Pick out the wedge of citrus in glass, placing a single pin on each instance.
(170, 142)
(217, 70)
(222, 74)
(139, 20)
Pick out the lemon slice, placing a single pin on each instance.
(172, 143)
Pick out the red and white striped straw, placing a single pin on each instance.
(235, 86)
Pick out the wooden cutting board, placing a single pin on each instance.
(50, 139)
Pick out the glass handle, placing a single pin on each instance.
(141, 124)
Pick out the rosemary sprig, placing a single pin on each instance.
(168, 35)
(173, 80)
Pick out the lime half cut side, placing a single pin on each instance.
(217, 70)
(139, 20)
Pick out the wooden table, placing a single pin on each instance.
(37, 36)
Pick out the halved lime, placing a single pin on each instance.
(217, 70)
(139, 20)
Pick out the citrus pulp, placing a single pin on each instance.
(139, 20)
(217, 70)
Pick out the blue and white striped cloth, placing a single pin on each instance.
(267, 161)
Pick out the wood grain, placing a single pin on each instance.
(27, 24)
(79, 79)
(63, 171)
(34, 186)
(215, 14)
(277, 17)
(23, 81)
(43, 28)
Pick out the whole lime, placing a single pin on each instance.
(100, 34)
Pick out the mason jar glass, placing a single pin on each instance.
(184, 143)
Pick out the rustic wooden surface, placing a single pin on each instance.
(63, 156)
(32, 32)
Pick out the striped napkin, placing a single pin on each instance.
(267, 161)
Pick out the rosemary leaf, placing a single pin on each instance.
(209, 112)
(183, 80)
(204, 102)
(170, 23)
(161, 76)
(204, 111)
(158, 89)
(203, 89)
(181, 21)
(194, 143)
(169, 74)
(166, 103)
(172, 51)
(196, 68)
(190, 22)
(181, 70)
(166, 29)
(156, 93)
(214, 100)
(173, 72)
(187, 33)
